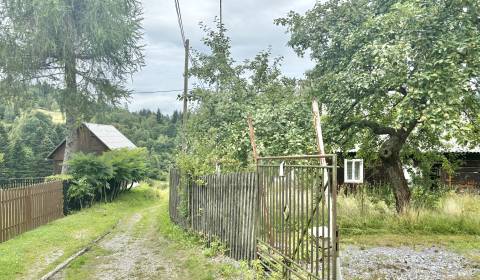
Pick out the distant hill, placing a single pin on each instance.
(57, 117)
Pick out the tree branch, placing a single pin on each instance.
(375, 127)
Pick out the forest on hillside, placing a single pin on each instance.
(29, 132)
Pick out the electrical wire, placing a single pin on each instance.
(182, 30)
(159, 91)
(180, 22)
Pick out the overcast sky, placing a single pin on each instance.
(250, 27)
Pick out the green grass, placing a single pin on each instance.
(34, 253)
(194, 265)
(452, 214)
(193, 259)
(451, 222)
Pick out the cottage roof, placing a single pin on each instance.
(448, 146)
(110, 136)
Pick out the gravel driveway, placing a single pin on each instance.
(401, 263)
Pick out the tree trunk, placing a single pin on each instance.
(69, 106)
(390, 155)
(70, 141)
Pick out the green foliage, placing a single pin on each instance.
(127, 164)
(215, 248)
(59, 177)
(96, 41)
(217, 129)
(106, 176)
(155, 131)
(81, 190)
(393, 70)
(94, 169)
(26, 141)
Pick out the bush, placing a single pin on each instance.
(82, 192)
(104, 177)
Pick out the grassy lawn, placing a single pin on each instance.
(36, 252)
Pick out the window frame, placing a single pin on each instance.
(345, 171)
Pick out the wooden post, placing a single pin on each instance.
(185, 94)
(331, 193)
(318, 130)
(252, 138)
(261, 193)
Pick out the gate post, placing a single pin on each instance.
(333, 188)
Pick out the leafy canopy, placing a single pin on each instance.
(408, 69)
(227, 92)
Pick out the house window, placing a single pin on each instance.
(353, 171)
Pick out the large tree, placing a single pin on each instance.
(87, 48)
(227, 92)
(400, 73)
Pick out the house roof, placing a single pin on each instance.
(452, 146)
(110, 136)
(448, 146)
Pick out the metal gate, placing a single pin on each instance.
(297, 236)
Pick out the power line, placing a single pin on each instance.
(182, 30)
(159, 91)
(180, 22)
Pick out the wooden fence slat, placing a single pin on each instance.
(27, 204)
(220, 206)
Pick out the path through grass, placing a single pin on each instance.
(146, 245)
(32, 254)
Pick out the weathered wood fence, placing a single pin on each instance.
(218, 207)
(20, 182)
(26, 207)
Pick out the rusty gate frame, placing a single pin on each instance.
(279, 257)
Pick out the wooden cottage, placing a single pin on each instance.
(467, 173)
(92, 138)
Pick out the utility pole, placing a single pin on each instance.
(221, 21)
(185, 94)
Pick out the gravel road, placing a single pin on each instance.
(433, 263)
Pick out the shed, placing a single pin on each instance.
(466, 174)
(468, 169)
(91, 138)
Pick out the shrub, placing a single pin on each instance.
(128, 165)
(104, 177)
(94, 170)
(81, 191)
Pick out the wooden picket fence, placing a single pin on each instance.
(26, 207)
(219, 207)
(12, 183)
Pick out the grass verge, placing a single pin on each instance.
(34, 253)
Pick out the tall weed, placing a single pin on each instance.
(431, 213)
